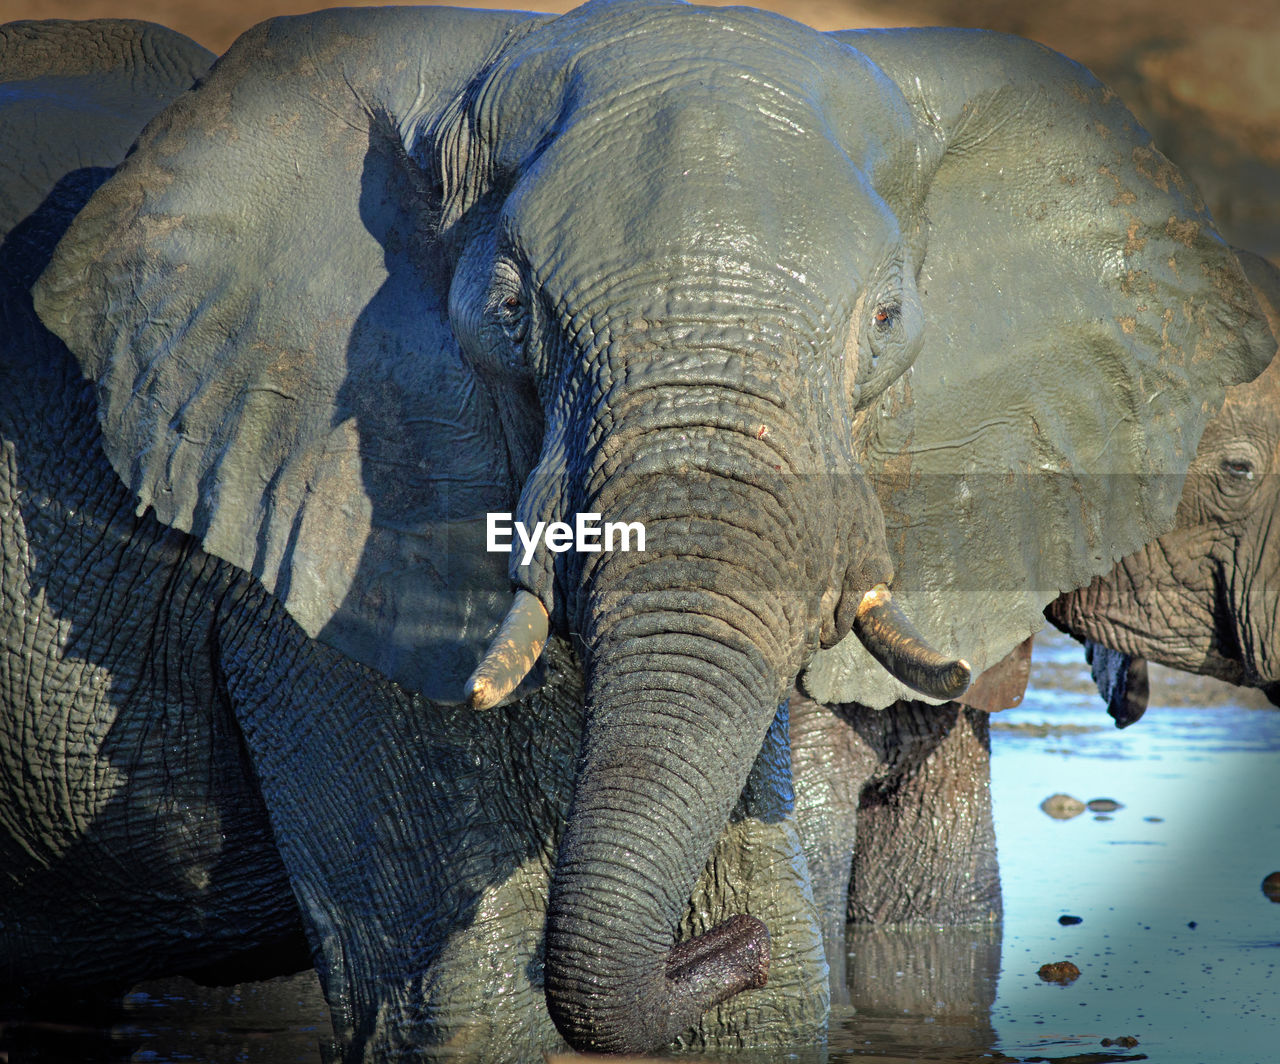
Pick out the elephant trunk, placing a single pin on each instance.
(676, 717)
(691, 647)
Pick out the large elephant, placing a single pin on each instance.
(385, 273)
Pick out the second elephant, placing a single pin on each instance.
(894, 806)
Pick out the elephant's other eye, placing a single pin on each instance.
(889, 324)
(1238, 473)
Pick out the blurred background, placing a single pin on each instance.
(1204, 78)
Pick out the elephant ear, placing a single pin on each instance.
(1082, 321)
(261, 297)
(81, 91)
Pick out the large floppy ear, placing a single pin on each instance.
(1082, 321)
(81, 91)
(261, 296)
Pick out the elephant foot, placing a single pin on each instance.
(728, 959)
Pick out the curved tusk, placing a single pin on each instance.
(511, 654)
(893, 641)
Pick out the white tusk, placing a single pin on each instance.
(511, 655)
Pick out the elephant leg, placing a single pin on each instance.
(417, 838)
(133, 843)
(831, 763)
(926, 848)
(928, 987)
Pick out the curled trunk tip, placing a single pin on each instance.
(892, 640)
(730, 958)
(511, 655)
(639, 1011)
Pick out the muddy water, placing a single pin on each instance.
(1176, 944)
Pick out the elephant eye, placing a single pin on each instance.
(1239, 468)
(514, 319)
(886, 316)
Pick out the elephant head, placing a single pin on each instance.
(1203, 597)
(384, 274)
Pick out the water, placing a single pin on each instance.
(1177, 945)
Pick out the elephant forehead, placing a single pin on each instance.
(734, 87)
(700, 194)
(711, 174)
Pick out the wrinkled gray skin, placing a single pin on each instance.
(385, 272)
(1204, 597)
(894, 812)
(894, 807)
(119, 768)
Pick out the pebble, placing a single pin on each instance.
(1063, 973)
(1103, 805)
(1271, 886)
(1070, 921)
(1062, 806)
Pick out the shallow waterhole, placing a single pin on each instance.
(1176, 943)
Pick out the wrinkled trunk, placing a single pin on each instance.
(1201, 599)
(691, 647)
(678, 707)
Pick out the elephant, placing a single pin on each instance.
(385, 278)
(904, 792)
(1203, 597)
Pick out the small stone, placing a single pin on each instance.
(1062, 806)
(1069, 921)
(1271, 886)
(1103, 805)
(1064, 973)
